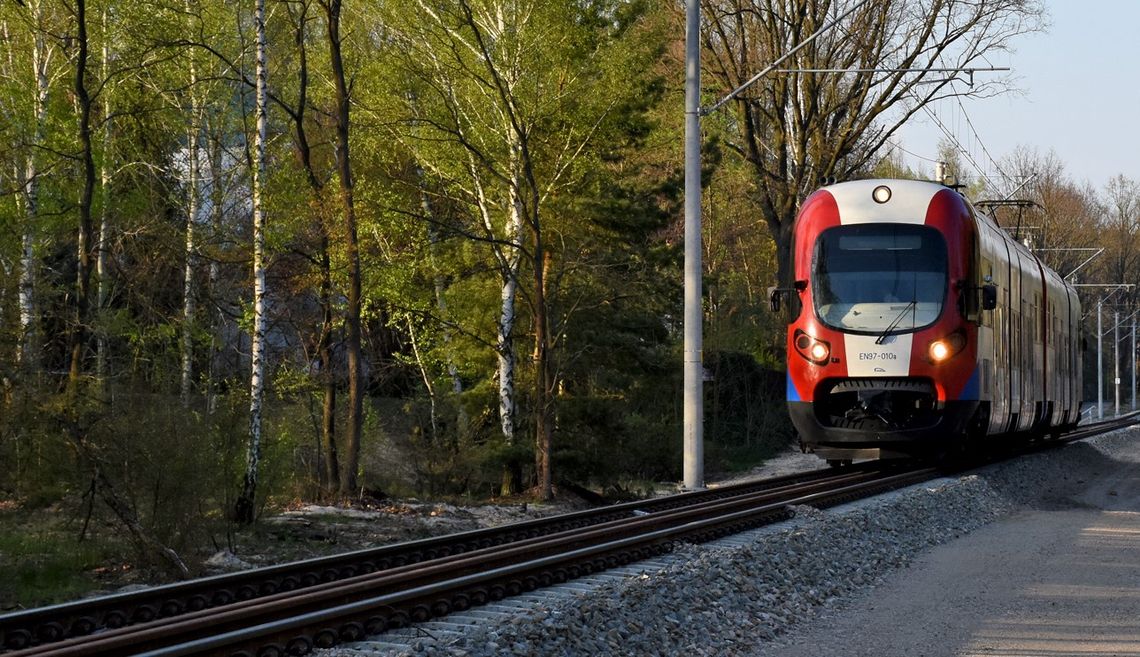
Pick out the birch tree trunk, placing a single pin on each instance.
(348, 482)
(526, 66)
(193, 175)
(512, 474)
(508, 259)
(218, 199)
(245, 505)
(7, 268)
(29, 344)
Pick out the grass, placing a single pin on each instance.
(42, 563)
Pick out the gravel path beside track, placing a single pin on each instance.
(833, 582)
(1061, 577)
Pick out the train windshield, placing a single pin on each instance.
(876, 278)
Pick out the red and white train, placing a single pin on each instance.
(918, 324)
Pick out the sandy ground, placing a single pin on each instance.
(1060, 580)
(789, 461)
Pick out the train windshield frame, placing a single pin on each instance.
(879, 278)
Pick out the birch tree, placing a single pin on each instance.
(106, 164)
(201, 94)
(42, 53)
(491, 178)
(193, 194)
(310, 159)
(244, 509)
(8, 188)
(503, 84)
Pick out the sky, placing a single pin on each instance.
(1080, 97)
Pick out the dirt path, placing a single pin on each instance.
(1064, 580)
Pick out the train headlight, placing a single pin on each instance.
(945, 348)
(939, 350)
(881, 194)
(816, 351)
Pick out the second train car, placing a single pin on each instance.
(918, 325)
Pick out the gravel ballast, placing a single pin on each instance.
(732, 596)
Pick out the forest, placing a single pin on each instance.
(254, 253)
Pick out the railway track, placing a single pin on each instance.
(76, 619)
(58, 622)
(293, 608)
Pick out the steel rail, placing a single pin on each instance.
(404, 591)
(421, 592)
(768, 491)
(53, 623)
(327, 626)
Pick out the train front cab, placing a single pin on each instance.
(887, 288)
(883, 390)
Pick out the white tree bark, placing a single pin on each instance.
(244, 511)
(508, 297)
(508, 257)
(192, 192)
(217, 197)
(505, 346)
(29, 354)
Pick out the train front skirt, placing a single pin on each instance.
(857, 418)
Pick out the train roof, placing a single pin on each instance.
(908, 201)
(884, 199)
(903, 184)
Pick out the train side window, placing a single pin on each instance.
(974, 312)
(1040, 325)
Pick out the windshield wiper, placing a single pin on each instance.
(894, 324)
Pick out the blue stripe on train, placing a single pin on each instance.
(973, 386)
(793, 394)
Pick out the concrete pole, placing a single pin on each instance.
(1132, 357)
(1116, 358)
(694, 459)
(1099, 366)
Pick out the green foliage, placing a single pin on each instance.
(126, 470)
(179, 458)
(37, 460)
(589, 83)
(746, 418)
(42, 561)
(605, 440)
(438, 117)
